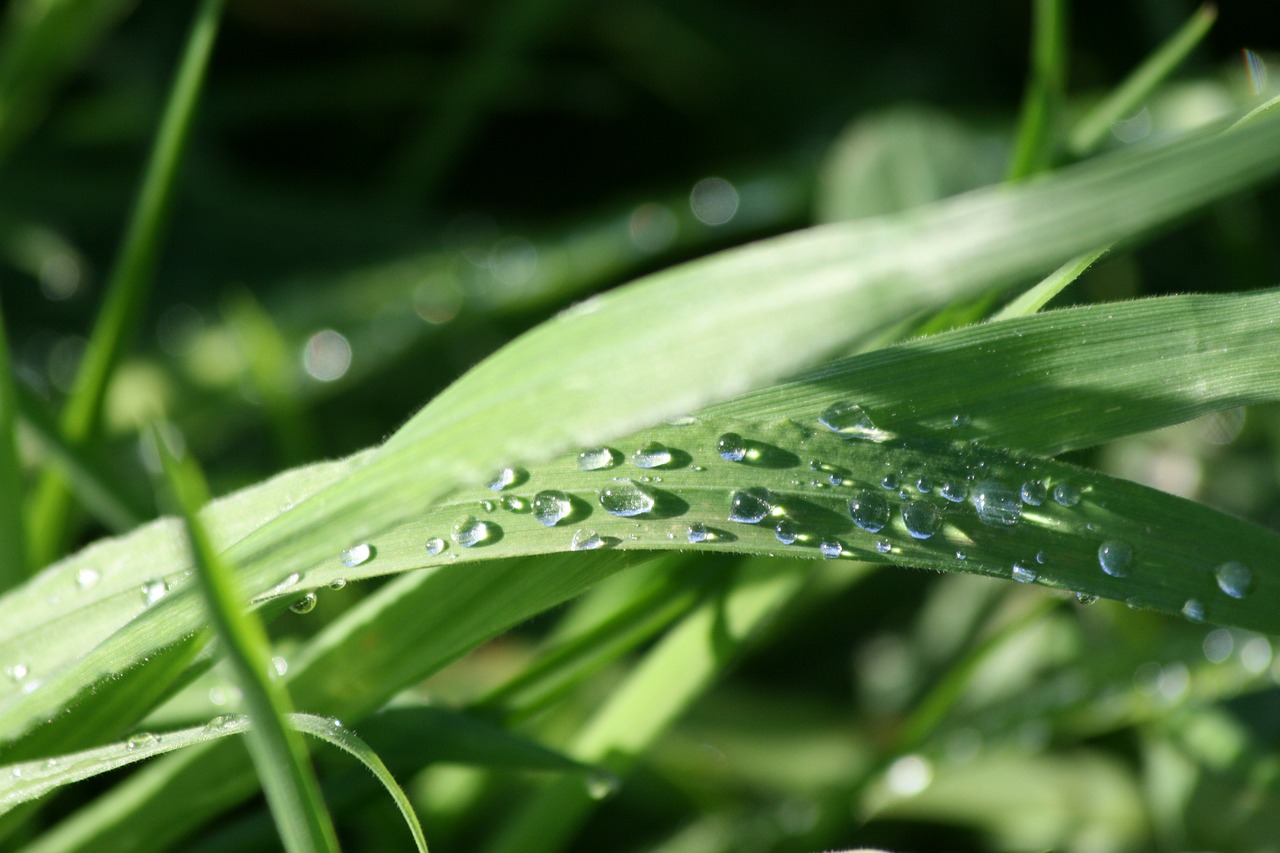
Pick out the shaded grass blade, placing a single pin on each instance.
(13, 538)
(1037, 137)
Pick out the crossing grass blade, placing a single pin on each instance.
(1037, 138)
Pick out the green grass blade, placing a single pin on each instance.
(1090, 132)
(1030, 301)
(278, 753)
(130, 279)
(1037, 136)
(13, 537)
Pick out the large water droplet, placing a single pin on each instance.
(786, 532)
(697, 533)
(626, 498)
(1034, 492)
(1234, 578)
(1023, 574)
(1116, 558)
(551, 507)
(597, 459)
(830, 548)
(585, 539)
(869, 510)
(652, 455)
(1066, 494)
(357, 555)
(996, 504)
(923, 486)
(1193, 609)
(889, 481)
(921, 518)
(732, 447)
(87, 577)
(850, 419)
(469, 531)
(305, 604)
(750, 506)
(436, 546)
(154, 590)
(505, 479)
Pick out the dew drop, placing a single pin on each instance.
(512, 503)
(488, 506)
(1234, 578)
(357, 555)
(652, 455)
(1086, 598)
(1034, 492)
(1193, 609)
(921, 518)
(154, 590)
(506, 478)
(954, 492)
(889, 482)
(469, 531)
(869, 510)
(732, 447)
(960, 420)
(585, 539)
(87, 577)
(1115, 558)
(338, 583)
(996, 504)
(830, 548)
(850, 419)
(305, 604)
(1041, 557)
(597, 459)
(551, 507)
(141, 740)
(626, 498)
(17, 671)
(1066, 494)
(750, 506)
(1023, 574)
(436, 546)
(884, 546)
(697, 533)
(786, 532)
(923, 486)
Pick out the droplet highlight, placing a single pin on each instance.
(436, 546)
(1066, 494)
(830, 548)
(1023, 574)
(1034, 492)
(697, 533)
(786, 532)
(505, 479)
(585, 539)
(357, 555)
(732, 447)
(597, 459)
(852, 420)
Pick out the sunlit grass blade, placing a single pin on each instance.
(130, 280)
(1091, 130)
(1037, 137)
(1032, 300)
(13, 538)
(288, 779)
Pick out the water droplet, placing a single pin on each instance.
(626, 498)
(869, 510)
(488, 506)
(697, 533)
(1234, 578)
(1193, 610)
(884, 546)
(505, 478)
(551, 507)
(830, 548)
(732, 447)
(850, 419)
(680, 420)
(786, 532)
(1115, 558)
(1034, 492)
(221, 722)
(512, 503)
(469, 531)
(1023, 574)
(835, 479)
(154, 590)
(1066, 494)
(141, 740)
(87, 577)
(585, 539)
(436, 546)
(305, 604)
(338, 583)
(597, 459)
(961, 555)
(1086, 598)
(357, 555)
(279, 666)
(652, 455)
(601, 785)
(954, 492)
(921, 518)
(17, 671)
(996, 504)
(960, 420)
(889, 482)
(750, 506)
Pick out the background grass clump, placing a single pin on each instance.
(577, 382)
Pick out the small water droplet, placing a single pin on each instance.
(652, 455)
(506, 478)
(835, 479)
(1041, 557)
(996, 504)
(357, 555)
(154, 590)
(597, 459)
(305, 604)
(732, 447)
(1115, 558)
(786, 532)
(1023, 574)
(469, 531)
(338, 583)
(585, 539)
(850, 419)
(141, 740)
(436, 546)
(513, 503)
(17, 671)
(869, 510)
(1066, 494)
(1034, 492)
(488, 506)
(626, 498)
(884, 546)
(680, 420)
(921, 518)
(1234, 578)
(1086, 598)
(279, 666)
(697, 533)
(830, 548)
(889, 482)
(923, 486)
(221, 722)
(1193, 609)
(960, 420)
(954, 492)
(87, 577)
(961, 555)
(750, 506)
(551, 507)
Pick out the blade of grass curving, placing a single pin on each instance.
(1030, 301)
(1091, 130)
(1037, 137)
(720, 325)
(293, 793)
(130, 279)
(13, 538)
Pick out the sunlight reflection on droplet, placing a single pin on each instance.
(653, 227)
(714, 201)
(327, 356)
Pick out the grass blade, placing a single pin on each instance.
(1037, 136)
(13, 537)
(130, 279)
